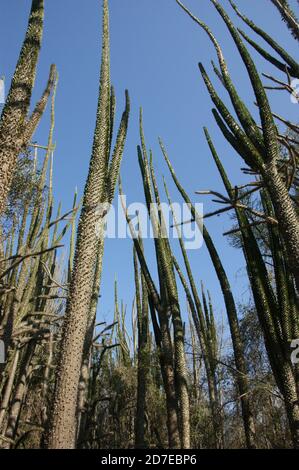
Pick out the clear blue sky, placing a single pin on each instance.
(155, 49)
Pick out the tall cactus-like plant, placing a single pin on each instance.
(289, 63)
(15, 306)
(16, 128)
(143, 354)
(162, 335)
(276, 308)
(165, 306)
(242, 378)
(34, 119)
(259, 150)
(203, 328)
(169, 293)
(27, 300)
(99, 189)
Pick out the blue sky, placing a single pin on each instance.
(155, 49)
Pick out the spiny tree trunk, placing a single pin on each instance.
(21, 390)
(288, 16)
(143, 356)
(165, 351)
(15, 306)
(6, 393)
(161, 330)
(167, 370)
(32, 122)
(170, 295)
(286, 215)
(291, 399)
(274, 309)
(99, 189)
(169, 292)
(87, 349)
(201, 328)
(46, 379)
(241, 378)
(18, 101)
(265, 157)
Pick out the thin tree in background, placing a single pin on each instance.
(142, 308)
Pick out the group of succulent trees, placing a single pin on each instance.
(67, 384)
(259, 147)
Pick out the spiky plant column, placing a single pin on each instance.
(159, 310)
(99, 189)
(288, 16)
(259, 150)
(202, 322)
(18, 100)
(242, 377)
(143, 355)
(276, 308)
(266, 157)
(169, 294)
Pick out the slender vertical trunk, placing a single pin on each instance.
(291, 399)
(143, 356)
(46, 378)
(164, 345)
(87, 349)
(181, 378)
(141, 396)
(99, 190)
(286, 215)
(167, 370)
(8, 388)
(20, 392)
(231, 310)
